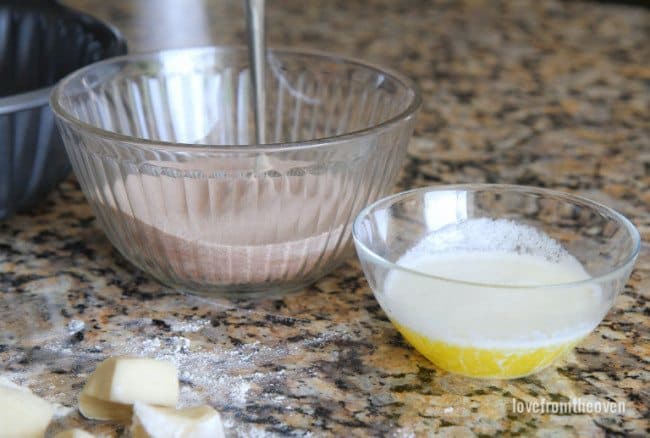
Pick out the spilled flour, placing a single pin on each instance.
(249, 379)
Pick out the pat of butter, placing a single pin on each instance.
(118, 382)
(162, 422)
(22, 414)
(98, 409)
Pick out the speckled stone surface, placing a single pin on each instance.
(553, 94)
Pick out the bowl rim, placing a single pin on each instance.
(40, 96)
(148, 144)
(26, 100)
(475, 187)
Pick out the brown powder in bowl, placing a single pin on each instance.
(229, 228)
(203, 261)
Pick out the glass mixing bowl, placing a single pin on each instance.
(163, 147)
(494, 281)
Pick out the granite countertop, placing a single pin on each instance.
(552, 94)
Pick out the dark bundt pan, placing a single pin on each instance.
(41, 41)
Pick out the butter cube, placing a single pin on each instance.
(162, 422)
(22, 414)
(118, 382)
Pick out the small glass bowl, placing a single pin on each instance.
(163, 147)
(494, 281)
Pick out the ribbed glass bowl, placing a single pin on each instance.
(163, 147)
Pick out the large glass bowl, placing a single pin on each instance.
(163, 147)
(494, 281)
